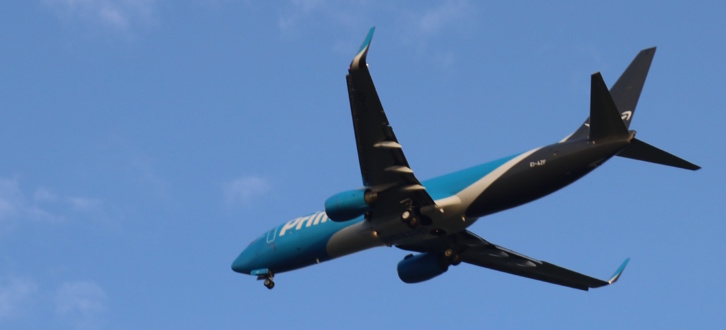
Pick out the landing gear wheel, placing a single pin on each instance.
(410, 218)
(456, 260)
(269, 283)
(406, 216)
(452, 257)
(268, 277)
(448, 253)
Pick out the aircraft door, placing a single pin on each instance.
(271, 237)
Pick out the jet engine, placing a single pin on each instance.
(349, 205)
(421, 267)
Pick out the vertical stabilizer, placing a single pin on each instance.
(626, 90)
(625, 93)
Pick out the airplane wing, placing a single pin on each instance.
(482, 253)
(477, 251)
(383, 165)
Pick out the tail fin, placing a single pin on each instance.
(626, 90)
(608, 120)
(625, 93)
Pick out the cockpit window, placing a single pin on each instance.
(253, 242)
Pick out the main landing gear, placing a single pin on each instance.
(412, 218)
(269, 282)
(453, 257)
(409, 217)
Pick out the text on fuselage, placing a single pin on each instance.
(310, 220)
(540, 162)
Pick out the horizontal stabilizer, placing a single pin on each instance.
(605, 120)
(640, 150)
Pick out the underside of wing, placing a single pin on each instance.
(384, 168)
(482, 253)
(472, 249)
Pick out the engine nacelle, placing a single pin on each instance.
(349, 205)
(421, 267)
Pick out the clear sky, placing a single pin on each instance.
(145, 143)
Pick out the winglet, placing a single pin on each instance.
(618, 272)
(367, 41)
(360, 58)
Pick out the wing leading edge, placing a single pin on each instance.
(384, 168)
(482, 253)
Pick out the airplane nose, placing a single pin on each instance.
(243, 263)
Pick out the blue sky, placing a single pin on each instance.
(145, 143)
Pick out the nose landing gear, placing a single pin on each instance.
(269, 282)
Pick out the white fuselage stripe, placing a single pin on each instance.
(470, 193)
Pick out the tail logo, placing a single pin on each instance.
(626, 115)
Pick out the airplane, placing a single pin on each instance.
(430, 218)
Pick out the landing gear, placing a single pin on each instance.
(413, 222)
(452, 257)
(269, 282)
(410, 218)
(407, 215)
(448, 253)
(456, 260)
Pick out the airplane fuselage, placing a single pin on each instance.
(463, 196)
